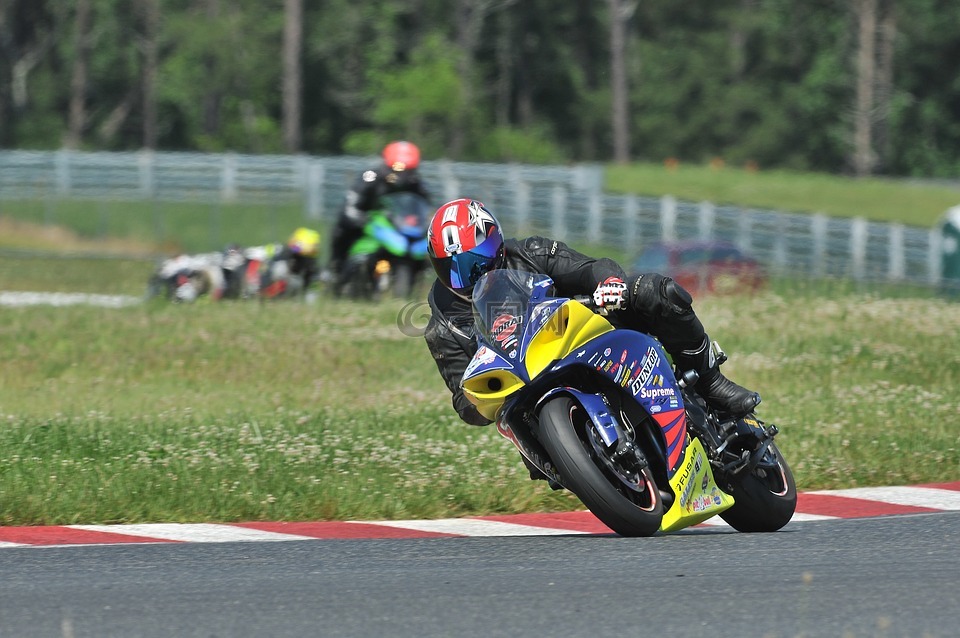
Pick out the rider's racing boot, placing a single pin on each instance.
(718, 391)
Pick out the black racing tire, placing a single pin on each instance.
(562, 434)
(765, 500)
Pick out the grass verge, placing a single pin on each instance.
(286, 411)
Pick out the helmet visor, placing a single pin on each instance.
(466, 268)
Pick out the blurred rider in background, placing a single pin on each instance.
(396, 173)
(284, 270)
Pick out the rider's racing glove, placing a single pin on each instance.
(611, 294)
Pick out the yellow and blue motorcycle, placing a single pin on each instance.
(602, 412)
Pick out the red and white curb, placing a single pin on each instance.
(811, 506)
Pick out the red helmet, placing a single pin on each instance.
(464, 242)
(401, 156)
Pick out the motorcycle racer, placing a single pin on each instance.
(285, 270)
(465, 241)
(398, 172)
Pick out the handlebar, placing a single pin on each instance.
(587, 300)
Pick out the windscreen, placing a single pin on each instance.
(500, 302)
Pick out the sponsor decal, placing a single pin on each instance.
(503, 328)
(606, 352)
(647, 366)
(483, 356)
(623, 357)
(688, 488)
(655, 393)
(705, 501)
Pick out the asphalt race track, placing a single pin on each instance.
(870, 564)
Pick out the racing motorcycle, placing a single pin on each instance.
(185, 277)
(391, 255)
(602, 412)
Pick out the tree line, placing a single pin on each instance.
(844, 86)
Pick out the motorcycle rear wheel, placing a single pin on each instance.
(626, 511)
(765, 500)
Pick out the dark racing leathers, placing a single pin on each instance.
(363, 197)
(656, 305)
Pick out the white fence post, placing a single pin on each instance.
(316, 174)
(558, 198)
(897, 263)
(145, 164)
(780, 245)
(858, 248)
(934, 260)
(707, 215)
(228, 178)
(668, 218)
(62, 168)
(745, 231)
(818, 230)
(594, 218)
(451, 185)
(521, 204)
(631, 217)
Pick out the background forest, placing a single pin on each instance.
(843, 86)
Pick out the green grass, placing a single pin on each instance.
(118, 276)
(285, 411)
(166, 226)
(874, 199)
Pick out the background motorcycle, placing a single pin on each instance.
(185, 278)
(601, 412)
(392, 253)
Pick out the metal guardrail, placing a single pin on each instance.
(563, 202)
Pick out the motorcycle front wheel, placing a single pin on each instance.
(765, 499)
(627, 502)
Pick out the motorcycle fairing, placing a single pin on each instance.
(637, 363)
(565, 333)
(525, 343)
(388, 236)
(484, 360)
(697, 495)
(398, 226)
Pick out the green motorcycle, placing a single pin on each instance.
(391, 255)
